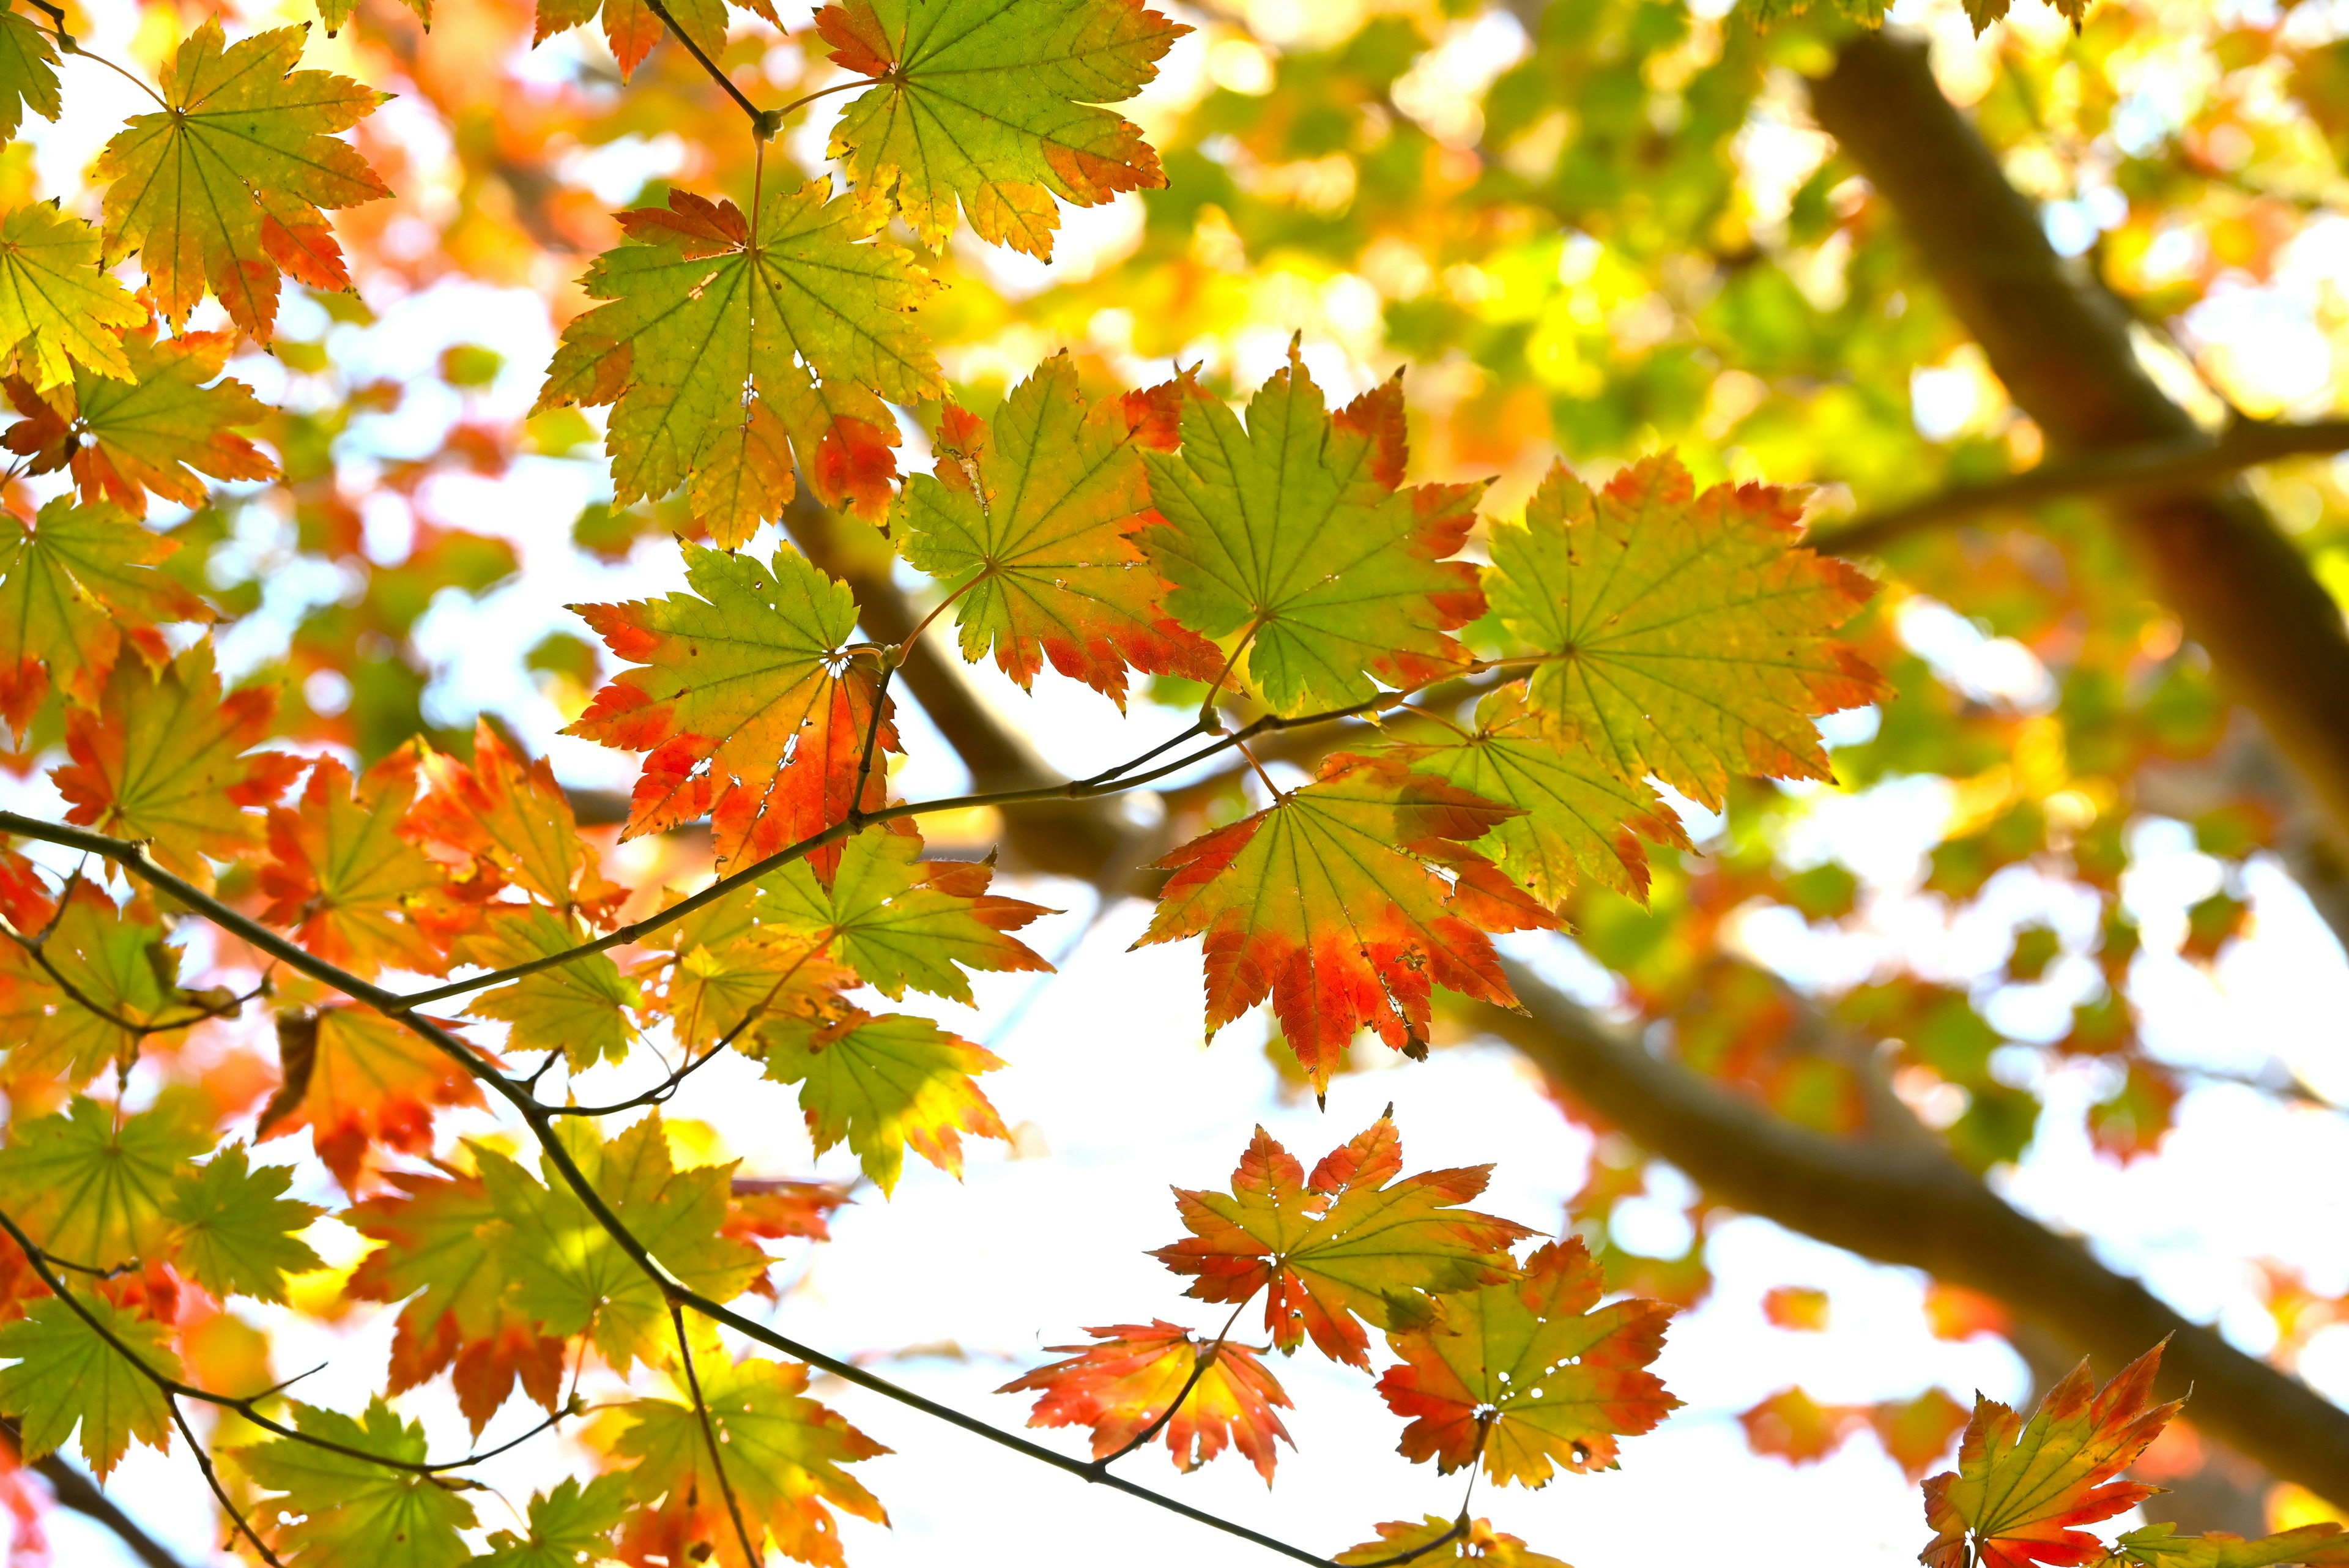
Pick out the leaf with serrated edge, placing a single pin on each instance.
(1480, 1542)
(1351, 1246)
(341, 876)
(581, 1008)
(1688, 634)
(1530, 1373)
(337, 1509)
(1028, 525)
(885, 1084)
(65, 1374)
(72, 587)
(988, 104)
(236, 1226)
(28, 73)
(93, 1187)
(569, 1526)
(56, 305)
(1119, 1387)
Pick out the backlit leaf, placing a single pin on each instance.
(1480, 1542)
(357, 1079)
(581, 1008)
(236, 1226)
(338, 1510)
(1121, 1385)
(92, 1184)
(1028, 525)
(1291, 535)
(1690, 634)
(989, 104)
(54, 303)
(1530, 1373)
(512, 821)
(222, 190)
(1352, 1243)
(339, 874)
(885, 1084)
(569, 1526)
(28, 73)
(72, 587)
(1347, 902)
(67, 1375)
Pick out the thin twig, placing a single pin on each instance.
(761, 125)
(211, 1480)
(750, 1555)
(1200, 1362)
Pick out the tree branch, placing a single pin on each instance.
(76, 1491)
(2062, 346)
(2149, 469)
(1908, 1201)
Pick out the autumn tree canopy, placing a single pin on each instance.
(1732, 608)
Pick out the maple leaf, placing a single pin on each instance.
(1122, 1385)
(236, 1226)
(708, 320)
(355, 1078)
(568, 1526)
(1529, 1373)
(573, 1275)
(750, 703)
(354, 891)
(579, 1008)
(72, 587)
(783, 1458)
(338, 1509)
(56, 304)
(723, 975)
(93, 1186)
(165, 758)
(1480, 1542)
(2321, 1545)
(1292, 535)
(1581, 819)
(107, 985)
(29, 74)
(1350, 1244)
(511, 820)
(1028, 525)
(1689, 633)
(988, 104)
(2020, 1487)
(171, 423)
(885, 1084)
(65, 1374)
(899, 922)
(1335, 902)
(447, 1256)
(631, 27)
(223, 189)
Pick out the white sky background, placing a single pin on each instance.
(1115, 1098)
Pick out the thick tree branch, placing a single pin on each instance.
(2152, 469)
(1908, 1201)
(2062, 346)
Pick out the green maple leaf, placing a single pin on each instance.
(71, 587)
(1346, 902)
(94, 1185)
(885, 1084)
(165, 758)
(1581, 818)
(28, 73)
(579, 1008)
(172, 423)
(568, 1526)
(989, 104)
(702, 307)
(1028, 526)
(223, 189)
(1690, 634)
(573, 1275)
(111, 970)
(722, 973)
(337, 1510)
(894, 924)
(1291, 534)
(783, 1454)
(236, 1226)
(748, 701)
(1352, 1243)
(56, 305)
(67, 1375)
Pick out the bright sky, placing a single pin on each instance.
(1114, 1097)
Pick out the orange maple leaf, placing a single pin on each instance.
(354, 890)
(356, 1079)
(1118, 1388)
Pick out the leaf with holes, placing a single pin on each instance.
(1120, 1386)
(1530, 1373)
(1349, 1246)
(226, 187)
(1687, 635)
(1432, 1541)
(167, 758)
(568, 1526)
(65, 1374)
(899, 922)
(1028, 525)
(991, 105)
(173, 424)
(2021, 1488)
(73, 587)
(1347, 902)
(341, 1510)
(1292, 540)
(748, 700)
(884, 1085)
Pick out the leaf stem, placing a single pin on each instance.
(211, 1480)
(1200, 1361)
(750, 1555)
